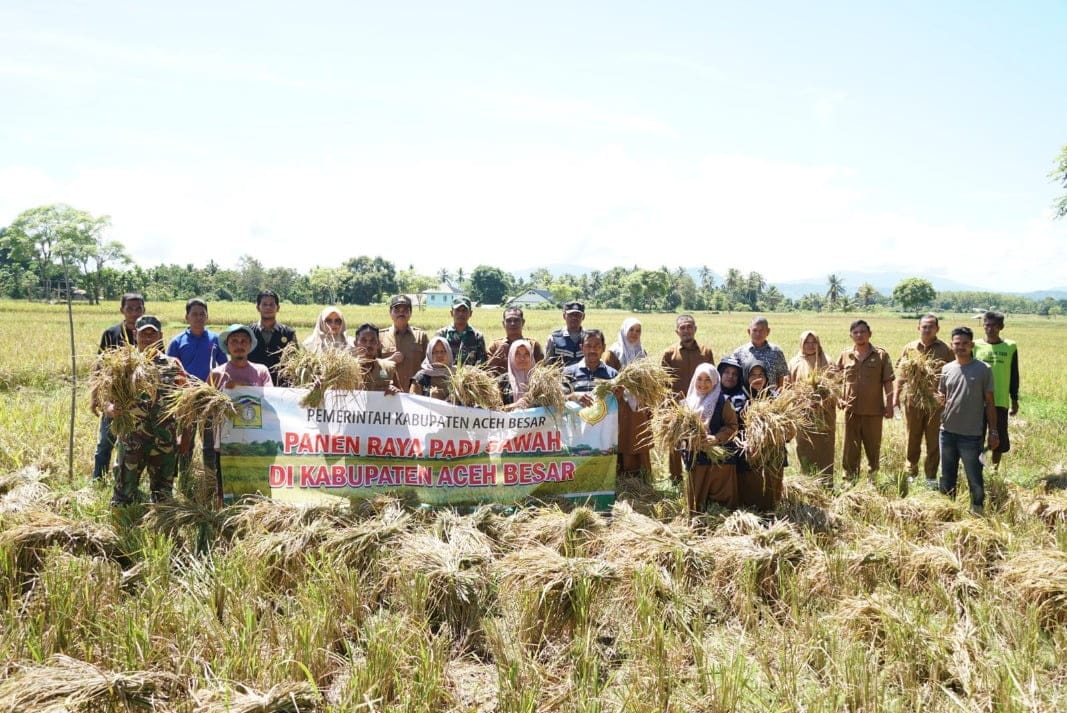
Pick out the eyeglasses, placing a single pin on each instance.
(334, 320)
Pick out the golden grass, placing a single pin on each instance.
(820, 390)
(301, 697)
(473, 385)
(673, 423)
(125, 377)
(771, 422)
(1037, 579)
(197, 402)
(320, 371)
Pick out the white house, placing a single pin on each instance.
(532, 298)
(442, 296)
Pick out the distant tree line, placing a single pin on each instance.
(51, 249)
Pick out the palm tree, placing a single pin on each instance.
(866, 292)
(444, 275)
(836, 290)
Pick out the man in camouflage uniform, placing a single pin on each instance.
(153, 442)
(468, 344)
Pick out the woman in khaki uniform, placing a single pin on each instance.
(815, 448)
(634, 444)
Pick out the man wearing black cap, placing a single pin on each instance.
(403, 344)
(564, 345)
(468, 344)
(514, 321)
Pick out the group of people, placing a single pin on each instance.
(404, 358)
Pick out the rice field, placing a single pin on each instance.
(853, 600)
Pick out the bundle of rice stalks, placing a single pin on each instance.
(285, 554)
(1038, 579)
(927, 566)
(473, 385)
(820, 390)
(197, 402)
(876, 559)
(648, 382)
(23, 490)
(922, 514)
(750, 569)
(564, 532)
(67, 684)
(40, 530)
(175, 516)
(320, 371)
(1050, 509)
(444, 578)
(979, 543)
(919, 375)
(770, 423)
(634, 540)
(358, 544)
(861, 502)
(125, 376)
(545, 388)
(255, 515)
(674, 423)
(301, 697)
(553, 589)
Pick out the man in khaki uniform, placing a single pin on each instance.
(682, 359)
(514, 321)
(378, 374)
(867, 400)
(923, 424)
(403, 344)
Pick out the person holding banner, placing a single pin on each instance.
(432, 379)
(378, 374)
(329, 332)
(516, 382)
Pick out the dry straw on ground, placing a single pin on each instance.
(67, 684)
(320, 371)
(40, 530)
(473, 385)
(919, 375)
(283, 698)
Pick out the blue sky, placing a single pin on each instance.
(793, 139)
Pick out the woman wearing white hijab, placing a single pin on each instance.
(634, 450)
(516, 382)
(329, 332)
(707, 480)
(435, 372)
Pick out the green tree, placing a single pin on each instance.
(835, 290)
(326, 284)
(53, 234)
(251, 278)
(1059, 175)
(913, 292)
(866, 294)
(367, 280)
(489, 285)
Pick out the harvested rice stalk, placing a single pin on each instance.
(919, 374)
(648, 382)
(301, 697)
(1038, 579)
(545, 388)
(674, 423)
(770, 423)
(820, 391)
(40, 530)
(320, 371)
(66, 684)
(473, 385)
(197, 402)
(125, 377)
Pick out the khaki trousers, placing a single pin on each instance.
(923, 426)
(865, 431)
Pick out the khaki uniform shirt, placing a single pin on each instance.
(864, 380)
(412, 344)
(683, 361)
(378, 374)
(498, 355)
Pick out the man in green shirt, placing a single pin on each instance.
(1002, 356)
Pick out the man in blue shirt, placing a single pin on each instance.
(581, 378)
(197, 348)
